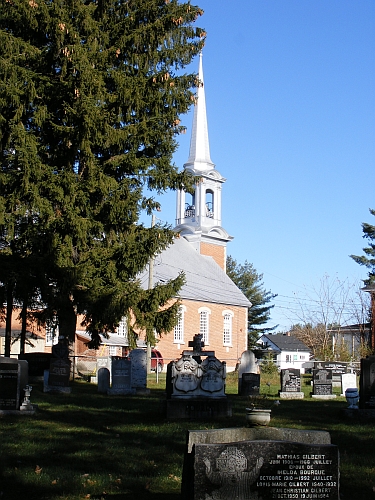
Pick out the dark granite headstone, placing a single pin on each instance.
(290, 380)
(337, 368)
(59, 373)
(264, 470)
(322, 382)
(250, 384)
(104, 380)
(247, 364)
(38, 362)
(9, 384)
(367, 384)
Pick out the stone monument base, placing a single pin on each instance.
(291, 395)
(359, 414)
(57, 389)
(323, 396)
(121, 392)
(196, 408)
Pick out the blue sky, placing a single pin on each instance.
(290, 95)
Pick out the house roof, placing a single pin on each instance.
(112, 340)
(205, 280)
(284, 342)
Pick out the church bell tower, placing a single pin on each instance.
(198, 217)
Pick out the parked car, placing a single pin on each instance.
(157, 361)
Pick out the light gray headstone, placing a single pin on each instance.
(103, 380)
(138, 359)
(348, 381)
(121, 376)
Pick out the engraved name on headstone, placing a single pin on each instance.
(265, 470)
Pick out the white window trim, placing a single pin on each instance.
(181, 326)
(228, 312)
(206, 334)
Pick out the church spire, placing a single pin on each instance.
(199, 154)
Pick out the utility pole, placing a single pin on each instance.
(150, 285)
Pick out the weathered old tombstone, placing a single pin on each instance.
(196, 387)
(121, 377)
(250, 384)
(104, 362)
(59, 370)
(247, 364)
(348, 381)
(10, 372)
(266, 463)
(322, 384)
(367, 384)
(104, 380)
(138, 359)
(290, 381)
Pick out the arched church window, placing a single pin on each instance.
(190, 206)
(178, 332)
(204, 313)
(209, 203)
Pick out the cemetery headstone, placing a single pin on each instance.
(196, 384)
(247, 364)
(264, 470)
(250, 384)
(121, 376)
(138, 359)
(290, 381)
(38, 362)
(104, 382)
(104, 362)
(9, 384)
(322, 384)
(348, 381)
(367, 384)
(59, 370)
(337, 369)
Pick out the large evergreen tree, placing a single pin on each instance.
(90, 98)
(250, 283)
(368, 260)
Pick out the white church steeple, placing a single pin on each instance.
(198, 217)
(199, 155)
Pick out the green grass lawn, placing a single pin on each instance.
(87, 445)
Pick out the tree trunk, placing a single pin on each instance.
(8, 321)
(67, 320)
(23, 327)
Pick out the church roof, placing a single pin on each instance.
(205, 280)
